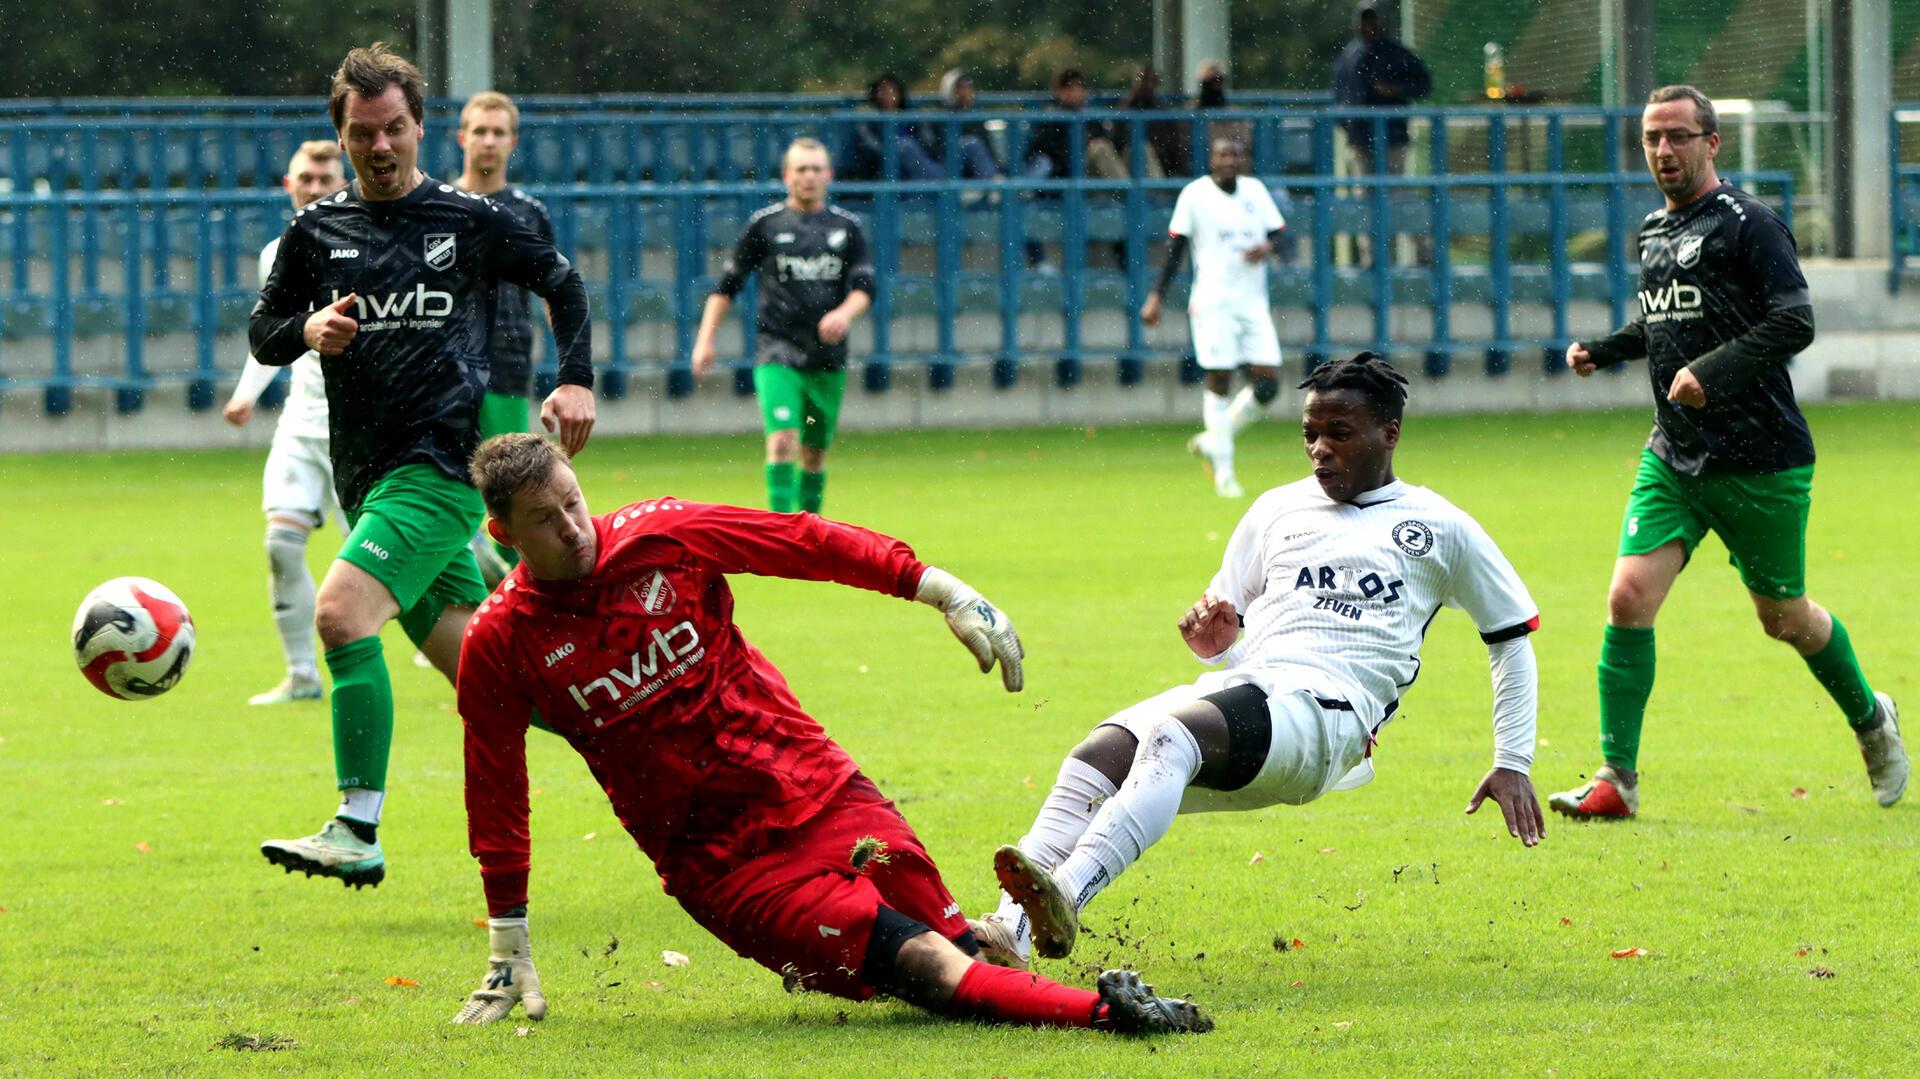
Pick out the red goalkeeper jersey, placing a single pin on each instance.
(694, 735)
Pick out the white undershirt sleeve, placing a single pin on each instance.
(1515, 703)
(254, 378)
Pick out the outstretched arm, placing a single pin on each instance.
(1515, 706)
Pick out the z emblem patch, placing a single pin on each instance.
(439, 250)
(1413, 537)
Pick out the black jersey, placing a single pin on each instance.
(426, 269)
(809, 263)
(513, 322)
(1711, 273)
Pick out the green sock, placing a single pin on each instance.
(813, 491)
(780, 487)
(362, 713)
(1626, 681)
(1839, 673)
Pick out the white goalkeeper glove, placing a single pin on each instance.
(981, 626)
(510, 976)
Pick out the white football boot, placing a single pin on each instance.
(1885, 753)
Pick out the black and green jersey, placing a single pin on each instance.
(808, 263)
(513, 322)
(427, 269)
(1721, 292)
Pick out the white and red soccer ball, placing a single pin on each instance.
(132, 638)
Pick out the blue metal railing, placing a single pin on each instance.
(1905, 195)
(183, 262)
(606, 144)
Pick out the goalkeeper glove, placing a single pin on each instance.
(981, 626)
(510, 976)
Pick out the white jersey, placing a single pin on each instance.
(1336, 597)
(1221, 228)
(305, 413)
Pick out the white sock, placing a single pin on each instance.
(1137, 816)
(1214, 408)
(1244, 410)
(361, 804)
(290, 583)
(1077, 795)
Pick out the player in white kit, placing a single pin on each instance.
(1318, 612)
(297, 487)
(1232, 226)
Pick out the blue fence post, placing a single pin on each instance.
(1561, 286)
(1132, 362)
(1897, 260)
(130, 396)
(1323, 196)
(948, 230)
(1499, 254)
(879, 370)
(622, 252)
(687, 247)
(1381, 222)
(1618, 283)
(1439, 359)
(1073, 281)
(200, 387)
(1013, 262)
(59, 395)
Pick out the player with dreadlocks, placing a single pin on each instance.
(1317, 616)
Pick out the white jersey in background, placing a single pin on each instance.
(1221, 227)
(304, 415)
(1336, 597)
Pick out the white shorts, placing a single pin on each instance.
(1231, 337)
(1313, 746)
(298, 481)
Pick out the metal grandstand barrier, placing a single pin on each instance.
(126, 289)
(1905, 194)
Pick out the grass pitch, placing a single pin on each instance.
(1775, 902)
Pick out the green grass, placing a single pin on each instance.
(143, 933)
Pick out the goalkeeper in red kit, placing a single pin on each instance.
(618, 631)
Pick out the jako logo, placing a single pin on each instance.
(378, 551)
(559, 653)
(666, 647)
(1675, 297)
(422, 302)
(345, 253)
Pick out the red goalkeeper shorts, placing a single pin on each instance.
(803, 909)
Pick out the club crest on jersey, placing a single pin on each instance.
(1413, 537)
(1688, 253)
(657, 595)
(836, 238)
(439, 249)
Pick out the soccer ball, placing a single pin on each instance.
(132, 638)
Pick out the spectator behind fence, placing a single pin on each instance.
(866, 156)
(1212, 94)
(977, 159)
(1049, 151)
(1166, 139)
(1376, 70)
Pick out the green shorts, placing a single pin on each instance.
(807, 400)
(502, 414)
(411, 533)
(1761, 517)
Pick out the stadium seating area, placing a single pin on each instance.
(128, 231)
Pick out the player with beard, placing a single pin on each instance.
(1723, 308)
(1318, 613)
(619, 631)
(393, 282)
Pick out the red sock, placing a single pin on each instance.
(1005, 995)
